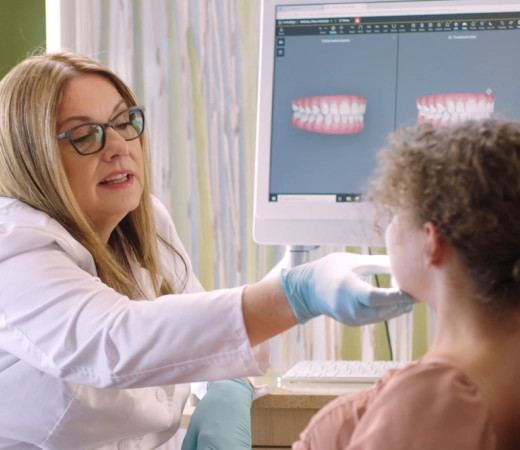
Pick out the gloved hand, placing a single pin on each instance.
(333, 286)
(222, 419)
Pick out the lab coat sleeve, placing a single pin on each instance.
(166, 228)
(68, 324)
(58, 317)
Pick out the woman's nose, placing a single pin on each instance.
(115, 144)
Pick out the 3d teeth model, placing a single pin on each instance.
(449, 109)
(330, 114)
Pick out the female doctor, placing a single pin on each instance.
(83, 364)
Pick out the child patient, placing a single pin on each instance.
(453, 195)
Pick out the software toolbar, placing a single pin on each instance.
(403, 24)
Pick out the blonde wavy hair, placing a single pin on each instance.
(32, 171)
(465, 179)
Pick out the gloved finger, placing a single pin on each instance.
(372, 296)
(380, 297)
(367, 315)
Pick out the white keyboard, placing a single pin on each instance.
(340, 371)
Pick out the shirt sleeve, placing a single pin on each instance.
(430, 406)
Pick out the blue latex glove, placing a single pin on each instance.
(222, 419)
(333, 286)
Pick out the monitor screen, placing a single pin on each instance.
(336, 77)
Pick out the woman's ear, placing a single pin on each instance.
(433, 245)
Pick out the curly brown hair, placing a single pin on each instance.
(465, 179)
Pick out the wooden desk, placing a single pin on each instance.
(278, 417)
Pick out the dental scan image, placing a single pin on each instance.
(330, 114)
(448, 109)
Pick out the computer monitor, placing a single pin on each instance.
(336, 77)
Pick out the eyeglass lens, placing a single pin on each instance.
(90, 138)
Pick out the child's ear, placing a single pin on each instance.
(433, 245)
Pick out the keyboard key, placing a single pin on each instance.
(340, 371)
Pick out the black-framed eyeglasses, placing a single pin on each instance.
(89, 138)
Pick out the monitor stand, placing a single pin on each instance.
(298, 254)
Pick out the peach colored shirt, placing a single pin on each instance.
(427, 406)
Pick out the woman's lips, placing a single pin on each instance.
(120, 179)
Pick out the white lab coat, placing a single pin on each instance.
(84, 367)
